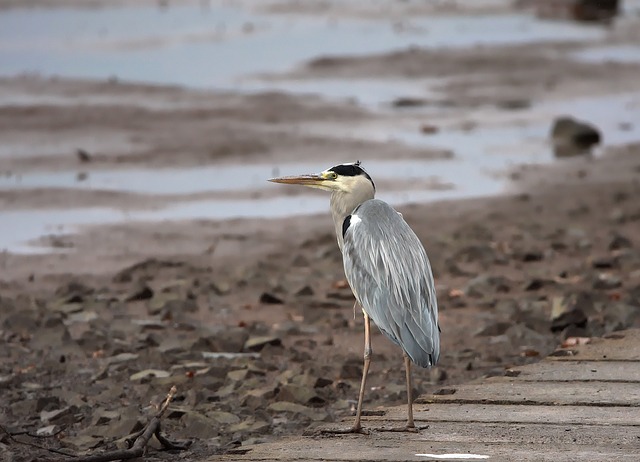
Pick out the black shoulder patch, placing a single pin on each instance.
(345, 225)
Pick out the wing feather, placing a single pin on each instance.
(390, 275)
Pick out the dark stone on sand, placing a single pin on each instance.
(270, 299)
(176, 309)
(299, 394)
(577, 10)
(408, 101)
(82, 155)
(304, 292)
(572, 137)
(445, 391)
(571, 311)
(322, 382)
(66, 415)
(531, 255)
(47, 403)
(487, 285)
(223, 339)
(605, 262)
(514, 104)
(493, 328)
(74, 292)
(606, 281)
(141, 292)
(619, 241)
(258, 343)
(537, 284)
(144, 269)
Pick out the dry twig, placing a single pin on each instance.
(140, 439)
(12, 438)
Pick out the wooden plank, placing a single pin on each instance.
(505, 418)
(493, 433)
(504, 390)
(581, 371)
(510, 413)
(388, 446)
(619, 346)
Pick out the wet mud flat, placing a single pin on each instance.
(263, 342)
(145, 249)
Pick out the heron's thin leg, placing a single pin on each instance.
(407, 368)
(365, 370)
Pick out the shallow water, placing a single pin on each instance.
(482, 156)
(211, 47)
(610, 54)
(228, 48)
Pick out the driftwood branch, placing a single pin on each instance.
(137, 442)
(140, 439)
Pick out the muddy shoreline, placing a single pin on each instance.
(120, 279)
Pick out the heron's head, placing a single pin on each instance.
(345, 178)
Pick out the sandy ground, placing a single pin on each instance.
(557, 256)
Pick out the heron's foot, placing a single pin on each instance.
(344, 431)
(405, 429)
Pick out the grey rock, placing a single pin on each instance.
(299, 394)
(74, 292)
(49, 430)
(531, 255)
(270, 299)
(618, 242)
(223, 339)
(606, 281)
(536, 284)
(122, 357)
(493, 328)
(407, 101)
(200, 426)
(305, 291)
(250, 426)
(223, 418)
(484, 285)
(259, 342)
(140, 292)
(82, 442)
(604, 262)
(175, 310)
(47, 403)
(572, 137)
(570, 311)
(149, 373)
(66, 415)
(105, 417)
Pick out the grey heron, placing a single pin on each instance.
(387, 268)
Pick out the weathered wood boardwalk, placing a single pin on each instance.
(581, 404)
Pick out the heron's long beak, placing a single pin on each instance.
(306, 180)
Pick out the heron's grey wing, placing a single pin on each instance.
(390, 275)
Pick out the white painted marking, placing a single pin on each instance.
(355, 219)
(453, 456)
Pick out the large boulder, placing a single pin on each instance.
(571, 137)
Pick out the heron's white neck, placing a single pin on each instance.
(343, 202)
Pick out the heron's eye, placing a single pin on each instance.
(332, 175)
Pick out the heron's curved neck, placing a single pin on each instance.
(343, 204)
